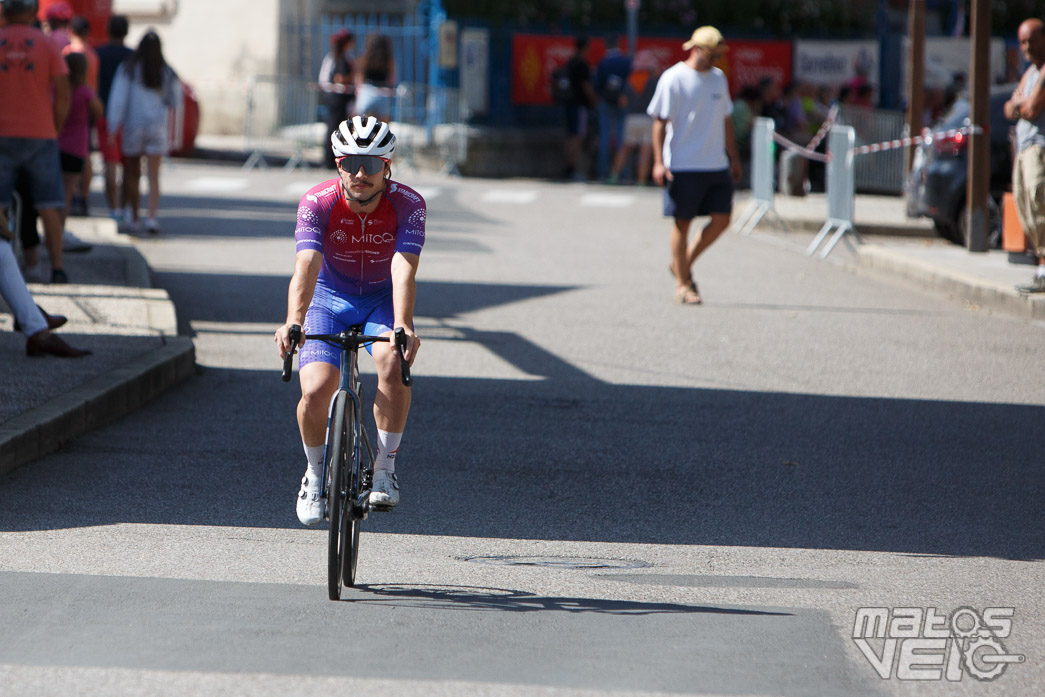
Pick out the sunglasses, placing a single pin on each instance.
(370, 164)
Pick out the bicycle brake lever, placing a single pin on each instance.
(288, 360)
(400, 340)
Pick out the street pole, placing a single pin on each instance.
(632, 6)
(978, 187)
(916, 61)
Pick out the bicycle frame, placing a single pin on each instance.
(353, 466)
(349, 383)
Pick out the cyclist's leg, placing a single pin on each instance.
(391, 403)
(319, 366)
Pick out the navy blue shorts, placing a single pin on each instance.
(330, 313)
(691, 194)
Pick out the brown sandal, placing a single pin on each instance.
(689, 295)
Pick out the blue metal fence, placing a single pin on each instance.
(414, 39)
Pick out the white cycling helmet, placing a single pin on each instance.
(363, 135)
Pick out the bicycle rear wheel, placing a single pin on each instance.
(337, 493)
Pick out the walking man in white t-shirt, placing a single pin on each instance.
(694, 152)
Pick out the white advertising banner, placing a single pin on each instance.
(834, 63)
(945, 56)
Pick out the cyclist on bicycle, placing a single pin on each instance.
(358, 240)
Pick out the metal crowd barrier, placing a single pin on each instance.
(281, 120)
(430, 121)
(879, 172)
(762, 149)
(841, 191)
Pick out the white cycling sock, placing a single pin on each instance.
(1041, 270)
(387, 447)
(314, 453)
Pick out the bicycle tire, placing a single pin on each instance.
(336, 494)
(351, 518)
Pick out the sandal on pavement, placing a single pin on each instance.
(689, 295)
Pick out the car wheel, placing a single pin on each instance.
(961, 225)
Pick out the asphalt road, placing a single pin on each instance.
(603, 492)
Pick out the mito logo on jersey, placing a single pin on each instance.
(916, 643)
(373, 238)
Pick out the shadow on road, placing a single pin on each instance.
(566, 456)
(503, 600)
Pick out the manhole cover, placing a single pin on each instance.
(583, 563)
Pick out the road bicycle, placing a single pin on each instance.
(349, 458)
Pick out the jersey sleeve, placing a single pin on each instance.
(312, 221)
(412, 213)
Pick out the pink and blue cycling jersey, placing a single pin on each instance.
(357, 249)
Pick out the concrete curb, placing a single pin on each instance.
(105, 398)
(972, 290)
(862, 228)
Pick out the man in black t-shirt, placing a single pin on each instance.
(581, 98)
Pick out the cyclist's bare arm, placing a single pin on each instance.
(404, 293)
(302, 284)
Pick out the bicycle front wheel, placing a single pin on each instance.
(351, 518)
(337, 494)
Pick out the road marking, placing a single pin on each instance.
(607, 200)
(218, 184)
(509, 196)
(428, 192)
(298, 189)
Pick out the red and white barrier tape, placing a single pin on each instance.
(809, 150)
(805, 152)
(916, 140)
(829, 121)
(926, 136)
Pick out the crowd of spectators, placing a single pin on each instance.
(608, 132)
(73, 99)
(352, 85)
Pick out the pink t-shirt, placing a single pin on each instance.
(28, 62)
(75, 137)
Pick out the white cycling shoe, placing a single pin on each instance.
(310, 502)
(384, 494)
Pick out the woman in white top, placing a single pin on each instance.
(144, 91)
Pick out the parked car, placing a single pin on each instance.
(939, 173)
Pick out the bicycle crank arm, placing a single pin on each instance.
(361, 506)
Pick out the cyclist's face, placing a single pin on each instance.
(360, 184)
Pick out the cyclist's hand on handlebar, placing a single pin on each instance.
(413, 343)
(283, 342)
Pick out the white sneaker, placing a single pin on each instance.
(385, 492)
(310, 502)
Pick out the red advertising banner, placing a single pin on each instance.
(534, 57)
(750, 61)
